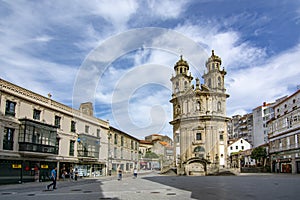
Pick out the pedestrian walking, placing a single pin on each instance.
(119, 174)
(63, 172)
(76, 174)
(53, 178)
(71, 174)
(135, 173)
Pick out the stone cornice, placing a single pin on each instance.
(23, 93)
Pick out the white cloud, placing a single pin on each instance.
(116, 12)
(252, 77)
(234, 53)
(251, 87)
(43, 38)
(167, 8)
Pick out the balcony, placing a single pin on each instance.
(37, 137)
(40, 148)
(85, 153)
(285, 124)
(88, 146)
(284, 148)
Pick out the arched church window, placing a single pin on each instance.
(219, 106)
(198, 106)
(219, 82)
(185, 84)
(177, 86)
(209, 82)
(199, 149)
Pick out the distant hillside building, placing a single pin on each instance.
(158, 145)
(159, 137)
(199, 118)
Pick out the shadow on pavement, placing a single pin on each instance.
(234, 187)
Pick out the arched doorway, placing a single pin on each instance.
(196, 167)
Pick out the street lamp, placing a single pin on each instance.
(108, 153)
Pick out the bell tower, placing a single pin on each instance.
(182, 79)
(214, 78)
(199, 118)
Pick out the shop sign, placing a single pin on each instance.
(16, 166)
(44, 166)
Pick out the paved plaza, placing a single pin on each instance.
(154, 186)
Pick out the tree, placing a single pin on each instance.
(150, 154)
(259, 153)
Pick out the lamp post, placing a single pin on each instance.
(108, 153)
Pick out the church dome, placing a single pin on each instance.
(181, 63)
(214, 58)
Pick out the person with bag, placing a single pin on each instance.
(53, 178)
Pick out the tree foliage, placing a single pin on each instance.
(258, 153)
(150, 154)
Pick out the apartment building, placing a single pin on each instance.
(241, 126)
(123, 152)
(284, 135)
(38, 133)
(261, 115)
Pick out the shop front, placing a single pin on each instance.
(89, 167)
(19, 171)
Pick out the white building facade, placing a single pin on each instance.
(123, 152)
(199, 119)
(261, 115)
(284, 135)
(38, 133)
(237, 146)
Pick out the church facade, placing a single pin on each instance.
(199, 119)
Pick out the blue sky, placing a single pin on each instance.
(104, 52)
